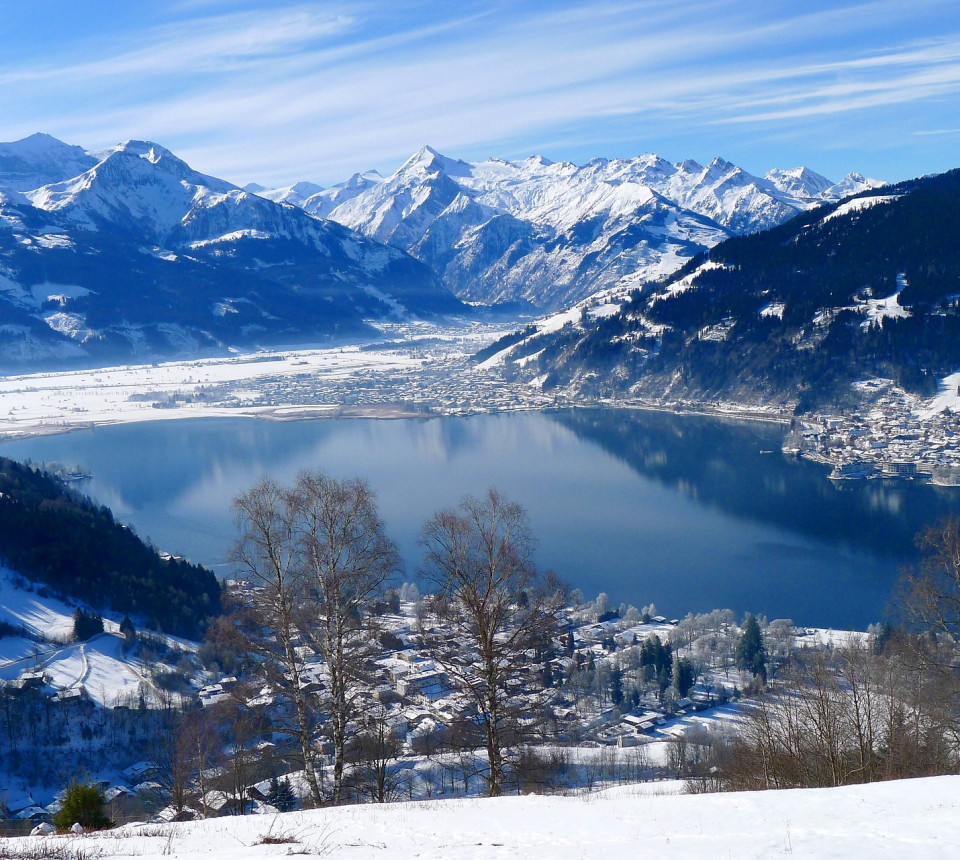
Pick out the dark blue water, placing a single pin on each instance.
(687, 512)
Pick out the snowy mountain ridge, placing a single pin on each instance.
(139, 256)
(552, 233)
(788, 317)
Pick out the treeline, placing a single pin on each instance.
(57, 537)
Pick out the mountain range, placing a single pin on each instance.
(787, 316)
(139, 256)
(551, 234)
(130, 254)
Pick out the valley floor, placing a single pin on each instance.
(910, 818)
(417, 369)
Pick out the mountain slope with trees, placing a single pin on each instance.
(63, 540)
(792, 315)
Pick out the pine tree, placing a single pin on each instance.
(751, 655)
(616, 686)
(129, 633)
(280, 795)
(83, 804)
(86, 624)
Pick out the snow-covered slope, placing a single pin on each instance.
(139, 255)
(866, 287)
(99, 666)
(553, 233)
(40, 160)
(914, 819)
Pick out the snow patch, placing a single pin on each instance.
(858, 205)
(774, 309)
(61, 293)
(73, 326)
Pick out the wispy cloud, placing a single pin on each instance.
(282, 91)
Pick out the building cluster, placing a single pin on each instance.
(890, 438)
(588, 686)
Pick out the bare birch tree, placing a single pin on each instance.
(347, 559)
(319, 555)
(267, 551)
(480, 558)
(931, 591)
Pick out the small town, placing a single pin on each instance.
(893, 437)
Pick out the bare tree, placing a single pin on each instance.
(347, 559)
(931, 591)
(319, 555)
(847, 715)
(378, 748)
(500, 609)
(268, 552)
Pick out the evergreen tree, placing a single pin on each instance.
(129, 633)
(83, 804)
(280, 795)
(86, 624)
(682, 676)
(751, 656)
(616, 686)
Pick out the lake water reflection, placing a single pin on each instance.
(689, 512)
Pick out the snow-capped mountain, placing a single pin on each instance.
(295, 194)
(790, 316)
(39, 160)
(553, 233)
(138, 255)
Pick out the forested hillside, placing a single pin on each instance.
(867, 288)
(57, 537)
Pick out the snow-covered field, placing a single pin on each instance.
(916, 819)
(98, 665)
(49, 402)
(277, 384)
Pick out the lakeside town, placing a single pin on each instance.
(894, 435)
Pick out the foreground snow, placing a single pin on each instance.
(916, 819)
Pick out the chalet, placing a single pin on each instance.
(221, 804)
(15, 802)
(211, 694)
(73, 695)
(140, 771)
(35, 814)
(27, 681)
(432, 684)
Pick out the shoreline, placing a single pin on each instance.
(373, 411)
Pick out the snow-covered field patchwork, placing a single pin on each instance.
(916, 819)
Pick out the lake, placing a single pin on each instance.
(688, 512)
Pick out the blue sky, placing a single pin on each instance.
(279, 91)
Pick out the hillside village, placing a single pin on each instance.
(618, 695)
